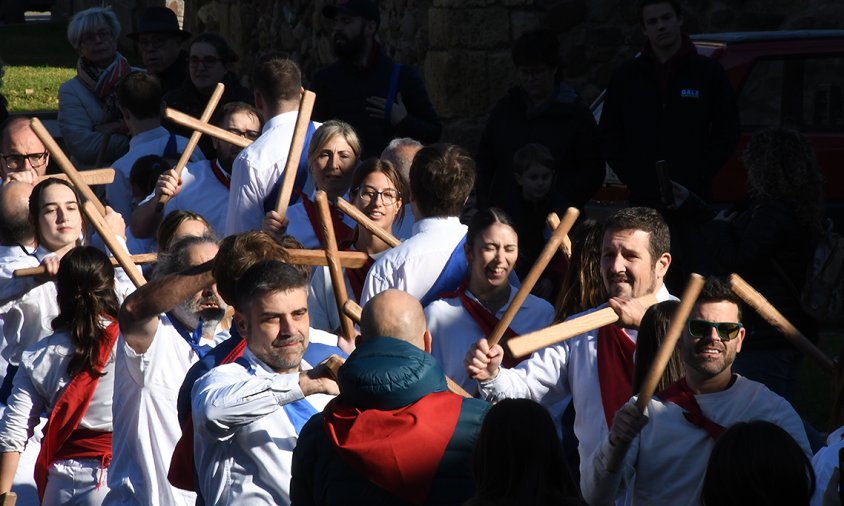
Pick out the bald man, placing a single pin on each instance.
(393, 411)
(22, 155)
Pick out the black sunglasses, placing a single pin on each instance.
(727, 331)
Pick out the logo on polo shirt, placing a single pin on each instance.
(689, 93)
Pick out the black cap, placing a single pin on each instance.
(363, 8)
(159, 20)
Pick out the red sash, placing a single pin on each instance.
(62, 438)
(343, 233)
(680, 394)
(358, 276)
(181, 473)
(486, 321)
(397, 450)
(222, 176)
(615, 369)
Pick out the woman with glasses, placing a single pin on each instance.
(70, 375)
(378, 191)
(88, 116)
(210, 62)
(458, 319)
(333, 153)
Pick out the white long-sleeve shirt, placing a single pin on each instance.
(669, 456)
(243, 436)
(454, 330)
(551, 374)
(415, 264)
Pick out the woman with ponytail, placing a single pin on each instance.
(69, 375)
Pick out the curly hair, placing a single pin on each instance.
(781, 165)
(85, 287)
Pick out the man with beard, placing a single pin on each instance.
(203, 186)
(382, 99)
(595, 368)
(669, 455)
(247, 415)
(166, 326)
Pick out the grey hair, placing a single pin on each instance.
(89, 20)
(401, 163)
(176, 259)
(402, 142)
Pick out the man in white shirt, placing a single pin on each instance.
(247, 414)
(441, 177)
(669, 455)
(139, 98)
(277, 82)
(154, 352)
(595, 368)
(203, 186)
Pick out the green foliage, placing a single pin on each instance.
(34, 88)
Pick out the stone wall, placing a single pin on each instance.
(463, 46)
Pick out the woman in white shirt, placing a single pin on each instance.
(378, 191)
(70, 375)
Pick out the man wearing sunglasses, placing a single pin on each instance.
(595, 369)
(22, 155)
(669, 447)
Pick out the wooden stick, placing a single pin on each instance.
(194, 139)
(8, 499)
(660, 361)
(767, 311)
(528, 343)
(533, 276)
(317, 257)
(66, 166)
(185, 120)
(300, 131)
(334, 268)
(91, 177)
(115, 247)
(366, 223)
(553, 221)
(353, 310)
(144, 258)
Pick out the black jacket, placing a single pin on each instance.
(341, 92)
(682, 111)
(564, 125)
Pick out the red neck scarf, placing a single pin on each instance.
(398, 450)
(343, 233)
(222, 176)
(486, 321)
(62, 438)
(615, 369)
(357, 276)
(181, 474)
(680, 394)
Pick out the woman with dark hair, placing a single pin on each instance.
(211, 60)
(179, 224)
(518, 459)
(652, 330)
(757, 463)
(70, 375)
(459, 318)
(583, 287)
(378, 191)
(333, 155)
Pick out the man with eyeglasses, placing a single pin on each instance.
(204, 185)
(159, 39)
(22, 155)
(594, 369)
(669, 447)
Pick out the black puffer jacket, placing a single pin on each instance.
(383, 374)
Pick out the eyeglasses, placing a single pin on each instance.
(15, 162)
(248, 134)
(727, 331)
(367, 194)
(206, 61)
(91, 37)
(156, 41)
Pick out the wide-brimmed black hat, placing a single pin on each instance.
(159, 20)
(363, 8)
